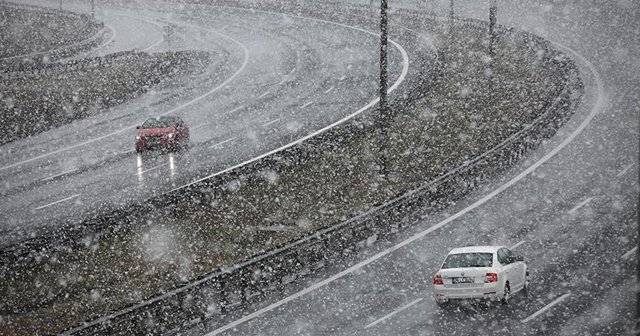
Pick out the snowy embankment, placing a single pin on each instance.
(285, 216)
(37, 35)
(59, 93)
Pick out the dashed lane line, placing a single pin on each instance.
(58, 175)
(577, 207)
(271, 122)
(330, 89)
(234, 110)
(545, 308)
(56, 202)
(384, 318)
(198, 126)
(150, 169)
(306, 104)
(625, 169)
(264, 94)
(629, 254)
(221, 143)
(517, 245)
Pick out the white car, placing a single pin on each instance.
(480, 272)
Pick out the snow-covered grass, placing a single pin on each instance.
(34, 104)
(478, 101)
(27, 31)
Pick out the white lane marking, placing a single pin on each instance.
(161, 38)
(330, 89)
(178, 108)
(630, 253)
(292, 71)
(625, 169)
(306, 104)
(596, 109)
(222, 143)
(109, 40)
(264, 94)
(517, 245)
(393, 313)
(58, 175)
(282, 81)
(56, 202)
(197, 126)
(403, 75)
(104, 44)
(271, 122)
(545, 308)
(343, 77)
(234, 110)
(128, 152)
(583, 203)
(150, 169)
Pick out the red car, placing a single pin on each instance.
(168, 132)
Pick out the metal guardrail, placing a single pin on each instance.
(240, 284)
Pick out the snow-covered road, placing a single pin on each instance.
(274, 80)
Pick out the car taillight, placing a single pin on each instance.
(491, 277)
(437, 280)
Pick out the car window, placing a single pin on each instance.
(152, 123)
(167, 121)
(503, 256)
(468, 260)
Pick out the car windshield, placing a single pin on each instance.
(468, 260)
(157, 123)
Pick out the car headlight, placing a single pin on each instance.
(137, 137)
(170, 135)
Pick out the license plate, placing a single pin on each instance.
(462, 280)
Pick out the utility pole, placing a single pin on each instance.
(383, 56)
(451, 19)
(451, 11)
(493, 12)
(384, 113)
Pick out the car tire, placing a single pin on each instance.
(507, 295)
(442, 305)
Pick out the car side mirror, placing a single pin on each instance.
(137, 127)
(519, 258)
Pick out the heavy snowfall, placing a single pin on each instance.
(298, 167)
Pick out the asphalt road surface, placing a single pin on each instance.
(274, 80)
(570, 208)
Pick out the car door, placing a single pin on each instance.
(507, 265)
(518, 268)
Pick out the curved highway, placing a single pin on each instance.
(274, 80)
(570, 208)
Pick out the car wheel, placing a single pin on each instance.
(525, 290)
(507, 295)
(442, 305)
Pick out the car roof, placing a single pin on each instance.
(470, 249)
